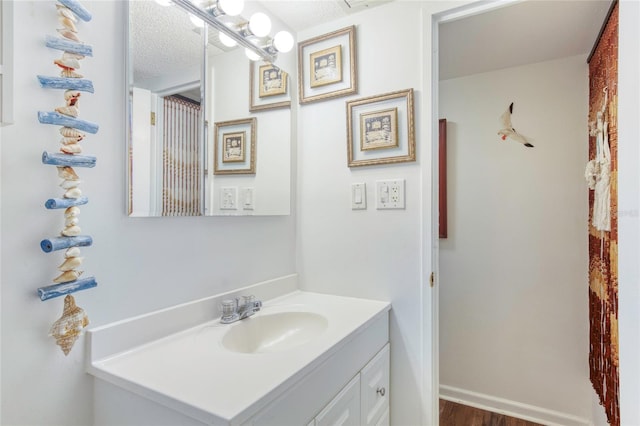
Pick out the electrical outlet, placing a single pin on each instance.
(390, 194)
(229, 198)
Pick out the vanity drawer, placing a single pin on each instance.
(374, 389)
(344, 409)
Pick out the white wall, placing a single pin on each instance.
(229, 86)
(513, 300)
(140, 264)
(371, 253)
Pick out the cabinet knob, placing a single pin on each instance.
(381, 391)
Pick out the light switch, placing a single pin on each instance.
(358, 196)
(229, 198)
(390, 194)
(247, 195)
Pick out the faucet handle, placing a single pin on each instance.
(229, 310)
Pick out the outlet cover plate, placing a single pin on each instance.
(390, 194)
(358, 196)
(229, 198)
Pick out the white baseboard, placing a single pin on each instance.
(511, 408)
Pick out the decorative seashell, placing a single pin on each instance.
(71, 149)
(71, 96)
(70, 132)
(70, 325)
(68, 34)
(69, 141)
(71, 111)
(70, 74)
(72, 193)
(71, 221)
(68, 23)
(68, 63)
(67, 172)
(70, 264)
(66, 12)
(72, 211)
(67, 184)
(71, 231)
(72, 252)
(73, 55)
(67, 276)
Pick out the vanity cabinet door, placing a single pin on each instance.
(344, 409)
(374, 382)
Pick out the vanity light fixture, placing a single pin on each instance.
(259, 26)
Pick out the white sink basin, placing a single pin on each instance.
(275, 332)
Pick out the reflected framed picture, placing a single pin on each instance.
(380, 129)
(327, 66)
(235, 147)
(268, 87)
(233, 150)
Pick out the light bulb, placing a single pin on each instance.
(196, 21)
(231, 7)
(164, 2)
(259, 24)
(283, 41)
(226, 40)
(251, 54)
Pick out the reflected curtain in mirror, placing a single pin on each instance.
(181, 174)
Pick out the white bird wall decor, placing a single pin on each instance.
(508, 131)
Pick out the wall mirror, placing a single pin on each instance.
(190, 97)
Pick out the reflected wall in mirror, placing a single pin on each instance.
(171, 162)
(165, 113)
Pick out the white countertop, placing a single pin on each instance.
(191, 372)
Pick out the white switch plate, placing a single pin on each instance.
(358, 196)
(229, 198)
(247, 198)
(390, 194)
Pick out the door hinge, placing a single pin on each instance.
(153, 118)
(432, 279)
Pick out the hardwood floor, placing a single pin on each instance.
(453, 414)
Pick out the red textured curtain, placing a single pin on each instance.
(603, 245)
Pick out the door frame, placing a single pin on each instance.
(430, 203)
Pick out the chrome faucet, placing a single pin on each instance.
(235, 309)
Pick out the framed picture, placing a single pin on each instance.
(268, 87)
(380, 129)
(235, 147)
(327, 66)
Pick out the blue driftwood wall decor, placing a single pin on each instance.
(71, 324)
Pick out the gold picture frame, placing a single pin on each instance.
(234, 147)
(327, 66)
(391, 136)
(266, 95)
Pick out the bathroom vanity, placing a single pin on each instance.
(303, 359)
